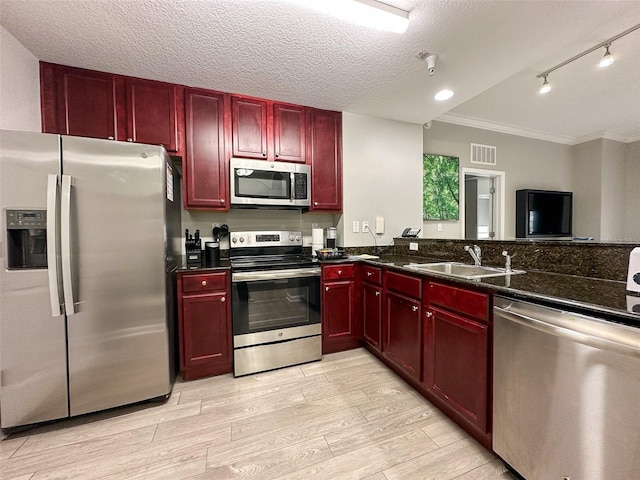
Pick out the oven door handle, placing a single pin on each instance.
(275, 274)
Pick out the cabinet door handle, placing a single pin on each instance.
(204, 283)
(326, 289)
(377, 293)
(277, 155)
(414, 308)
(110, 138)
(264, 154)
(428, 314)
(339, 272)
(222, 201)
(369, 274)
(223, 299)
(129, 139)
(315, 204)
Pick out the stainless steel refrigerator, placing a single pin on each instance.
(89, 240)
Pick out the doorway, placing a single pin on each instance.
(484, 204)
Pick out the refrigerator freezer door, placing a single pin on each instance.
(118, 334)
(33, 358)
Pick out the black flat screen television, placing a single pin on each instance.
(543, 213)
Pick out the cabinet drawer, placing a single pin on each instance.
(404, 284)
(464, 301)
(208, 282)
(372, 274)
(335, 272)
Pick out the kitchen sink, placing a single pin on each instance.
(462, 270)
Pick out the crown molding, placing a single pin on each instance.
(473, 122)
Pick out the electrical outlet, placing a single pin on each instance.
(356, 226)
(439, 227)
(365, 226)
(413, 246)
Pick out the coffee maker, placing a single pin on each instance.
(331, 237)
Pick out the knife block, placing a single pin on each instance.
(194, 252)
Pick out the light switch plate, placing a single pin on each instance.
(413, 246)
(356, 226)
(379, 224)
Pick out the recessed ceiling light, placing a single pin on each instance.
(443, 95)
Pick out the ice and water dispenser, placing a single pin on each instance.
(26, 239)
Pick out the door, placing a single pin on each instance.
(338, 322)
(326, 161)
(115, 259)
(206, 331)
(205, 166)
(86, 103)
(372, 313)
(151, 113)
(249, 130)
(456, 368)
(289, 130)
(403, 332)
(32, 343)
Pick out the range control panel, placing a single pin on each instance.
(21, 219)
(266, 239)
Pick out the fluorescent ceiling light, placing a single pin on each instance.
(443, 95)
(369, 13)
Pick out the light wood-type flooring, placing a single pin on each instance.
(345, 417)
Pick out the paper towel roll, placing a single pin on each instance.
(317, 236)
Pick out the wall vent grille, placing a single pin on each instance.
(483, 154)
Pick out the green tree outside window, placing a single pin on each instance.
(441, 187)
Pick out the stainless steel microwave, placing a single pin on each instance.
(258, 183)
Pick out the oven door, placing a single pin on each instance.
(275, 299)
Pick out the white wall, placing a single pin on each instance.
(527, 163)
(632, 180)
(19, 86)
(587, 189)
(613, 191)
(382, 176)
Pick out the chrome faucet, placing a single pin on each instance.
(507, 260)
(476, 253)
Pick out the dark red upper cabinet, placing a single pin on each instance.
(249, 130)
(325, 157)
(289, 132)
(205, 163)
(85, 102)
(151, 113)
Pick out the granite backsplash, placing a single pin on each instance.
(585, 259)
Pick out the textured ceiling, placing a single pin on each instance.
(489, 53)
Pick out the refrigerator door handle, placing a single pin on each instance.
(65, 244)
(52, 247)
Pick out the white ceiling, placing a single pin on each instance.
(489, 53)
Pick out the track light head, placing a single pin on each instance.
(546, 87)
(607, 59)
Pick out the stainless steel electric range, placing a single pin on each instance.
(275, 301)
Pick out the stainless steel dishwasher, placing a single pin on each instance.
(566, 394)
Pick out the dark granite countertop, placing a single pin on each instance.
(592, 296)
(222, 265)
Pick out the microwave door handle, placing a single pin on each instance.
(65, 243)
(293, 185)
(52, 244)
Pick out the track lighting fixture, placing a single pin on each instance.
(607, 59)
(545, 88)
